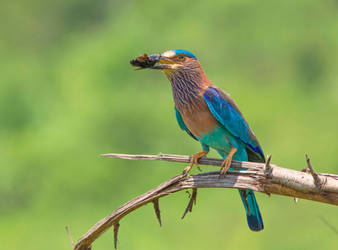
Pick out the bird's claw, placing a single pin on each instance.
(194, 161)
(187, 169)
(227, 162)
(225, 167)
(198, 167)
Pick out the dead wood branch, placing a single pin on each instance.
(262, 177)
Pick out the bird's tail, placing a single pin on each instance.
(253, 214)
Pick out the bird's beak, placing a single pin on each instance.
(163, 62)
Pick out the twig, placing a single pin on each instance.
(192, 201)
(328, 224)
(167, 157)
(70, 237)
(313, 172)
(103, 225)
(157, 211)
(116, 230)
(267, 169)
(280, 181)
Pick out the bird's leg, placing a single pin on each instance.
(194, 161)
(227, 162)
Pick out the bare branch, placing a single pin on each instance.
(192, 201)
(69, 237)
(267, 169)
(116, 230)
(276, 180)
(157, 211)
(313, 172)
(166, 157)
(328, 224)
(103, 225)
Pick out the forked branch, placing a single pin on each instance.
(261, 177)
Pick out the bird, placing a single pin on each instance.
(209, 115)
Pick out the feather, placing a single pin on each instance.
(227, 113)
(182, 125)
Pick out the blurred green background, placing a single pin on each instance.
(68, 94)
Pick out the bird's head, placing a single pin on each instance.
(170, 62)
(176, 60)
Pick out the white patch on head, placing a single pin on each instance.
(169, 53)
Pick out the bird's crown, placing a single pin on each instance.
(174, 52)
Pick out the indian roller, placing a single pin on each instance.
(210, 116)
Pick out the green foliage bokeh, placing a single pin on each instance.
(68, 94)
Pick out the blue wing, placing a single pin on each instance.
(182, 125)
(227, 113)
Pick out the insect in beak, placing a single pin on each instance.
(145, 61)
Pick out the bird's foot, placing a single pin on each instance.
(227, 162)
(226, 165)
(194, 161)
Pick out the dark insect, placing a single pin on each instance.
(144, 61)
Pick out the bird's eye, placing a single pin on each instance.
(181, 57)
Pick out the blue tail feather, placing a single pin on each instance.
(253, 214)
